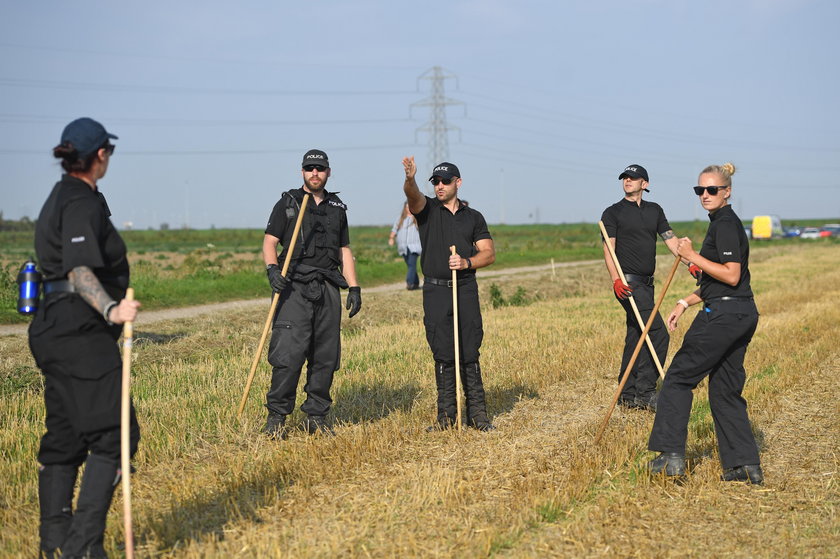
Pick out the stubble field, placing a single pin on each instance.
(208, 486)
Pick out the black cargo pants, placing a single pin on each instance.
(79, 357)
(307, 329)
(714, 345)
(643, 376)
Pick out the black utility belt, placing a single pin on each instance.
(58, 286)
(644, 280)
(448, 282)
(717, 299)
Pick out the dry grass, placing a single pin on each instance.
(382, 487)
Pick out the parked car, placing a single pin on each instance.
(792, 231)
(830, 230)
(810, 233)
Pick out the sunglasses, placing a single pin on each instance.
(712, 190)
(310, 168)
(437, 180)
(109, 149)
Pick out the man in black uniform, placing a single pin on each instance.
(632, 225)
(73, 339)
(444, 221)
(308, 319)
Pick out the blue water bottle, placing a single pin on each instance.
(29, 283)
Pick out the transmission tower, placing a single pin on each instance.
(436, 127)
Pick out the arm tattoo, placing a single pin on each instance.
(88, 287)
(667, 235)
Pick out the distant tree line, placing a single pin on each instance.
(22, 224)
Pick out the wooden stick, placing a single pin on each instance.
(632, 362)
(457, 346)
(125, 431)
(274, 300)
(632, 301)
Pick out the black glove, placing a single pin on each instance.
(275, 278)
(354, 301)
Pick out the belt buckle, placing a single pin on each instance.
(448, 283)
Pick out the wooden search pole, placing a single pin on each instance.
(125, 431)
(632, 301)
(636, 351)
(457, 346)
(274, 300)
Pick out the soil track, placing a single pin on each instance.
(149, 317)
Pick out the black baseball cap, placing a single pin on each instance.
(315, 157)
(446, 171)
(86, 135)
(634, 171)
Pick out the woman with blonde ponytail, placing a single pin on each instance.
(715, 344)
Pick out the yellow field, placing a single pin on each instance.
(207, 486)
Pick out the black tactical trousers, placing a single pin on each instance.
(307, 329)
(714, 345)
(642, 380)
(79, 357)
(440, 334)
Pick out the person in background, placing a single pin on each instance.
(73, 338)
(407, 238)
(715, 343)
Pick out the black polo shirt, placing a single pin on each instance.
(74, 230)
(323, 231)
(726, 241)
(635, 228)
(439, 229)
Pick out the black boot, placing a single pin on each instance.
(446, 407)
(672, 464)
(317, 424)
(751, 473)
(275, 426)
(55, 494)
(87, 531)
(647, 402)
(474, 391)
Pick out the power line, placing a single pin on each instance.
(135, 88)
(215, 151)
(29, 119)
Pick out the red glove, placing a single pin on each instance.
(622, 291)
(695, 272)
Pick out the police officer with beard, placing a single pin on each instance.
(307, 324)
(73, 339)
(445, 221)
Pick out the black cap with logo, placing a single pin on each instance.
(635, 171)
(446, 171)
(315, 157)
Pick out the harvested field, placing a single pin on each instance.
(538, 486)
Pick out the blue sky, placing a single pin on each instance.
(215, 103)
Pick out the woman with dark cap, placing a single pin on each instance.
(74, 340)
(714, 345)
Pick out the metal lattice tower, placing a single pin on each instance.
(436, 127)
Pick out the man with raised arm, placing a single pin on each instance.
(446, 221)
